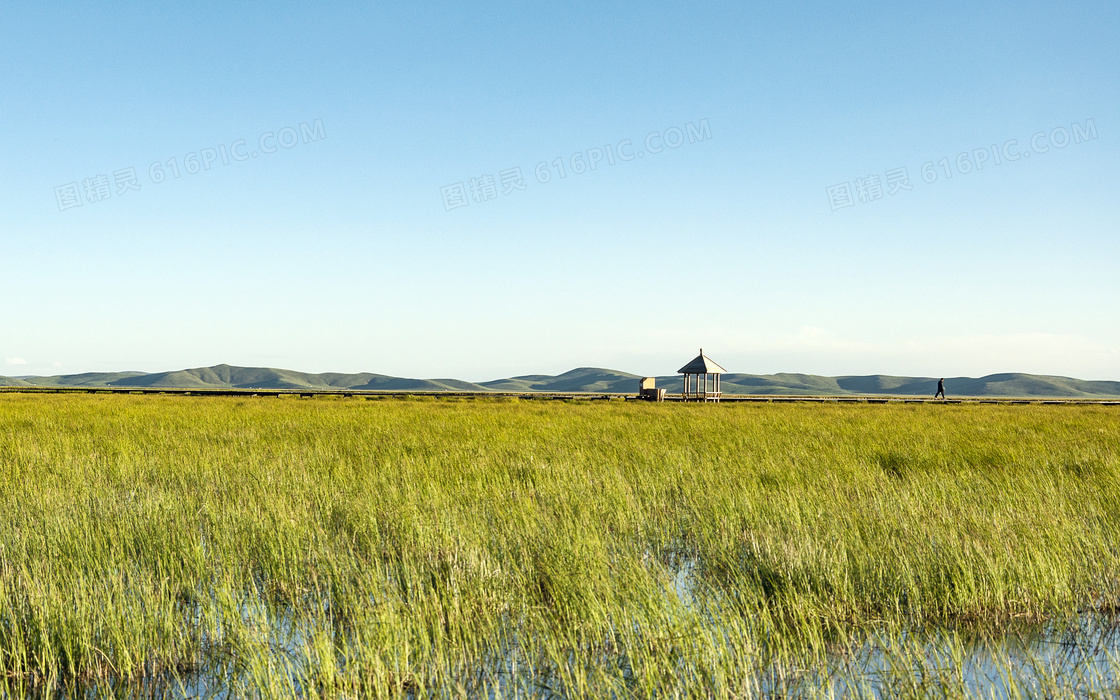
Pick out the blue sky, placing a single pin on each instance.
(770, 238)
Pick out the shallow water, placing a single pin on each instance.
(1081, 658)
(1077, 657)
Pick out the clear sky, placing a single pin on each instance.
(347, 195)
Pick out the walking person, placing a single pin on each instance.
(940, 388)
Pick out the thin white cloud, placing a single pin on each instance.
(15, 361)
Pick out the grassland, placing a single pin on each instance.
(367, 548)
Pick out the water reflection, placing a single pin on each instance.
(1076, 656)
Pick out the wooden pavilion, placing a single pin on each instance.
(701, 379)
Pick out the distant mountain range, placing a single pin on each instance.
(586, 379)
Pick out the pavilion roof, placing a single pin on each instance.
(702, 364)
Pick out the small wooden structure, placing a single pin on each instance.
(701, 379)
(647, 390)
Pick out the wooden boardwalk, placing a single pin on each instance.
(549, 396)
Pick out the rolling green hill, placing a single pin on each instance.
(582, 379)
(85, 379)
(228, 377)
(586, 379)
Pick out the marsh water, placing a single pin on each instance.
(1075, 657)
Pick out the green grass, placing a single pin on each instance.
(345, 547)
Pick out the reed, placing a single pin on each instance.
(356, 548)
